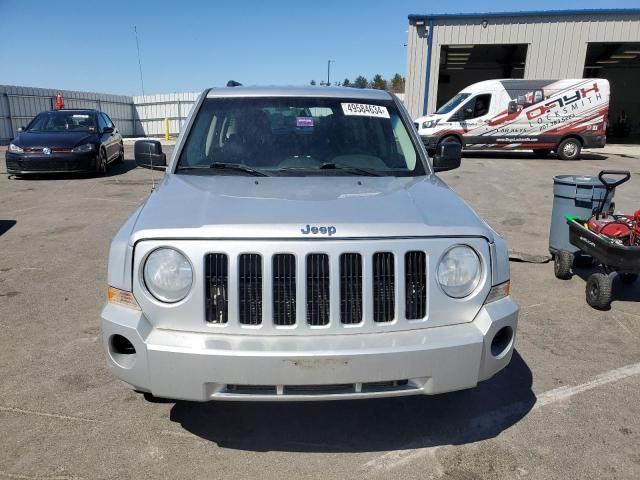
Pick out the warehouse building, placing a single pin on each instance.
(448, 52)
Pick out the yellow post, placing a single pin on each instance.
(166, 128)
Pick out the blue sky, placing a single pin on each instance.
(190, 45)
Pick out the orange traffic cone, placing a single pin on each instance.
(59, 102)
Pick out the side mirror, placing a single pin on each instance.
(513, 107)
(21, 129)
(148, 153)
(108, 130)
(447, 157)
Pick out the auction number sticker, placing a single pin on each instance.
(365, 110)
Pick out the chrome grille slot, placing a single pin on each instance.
(284, 289)
(217, 287)
(318, 306)
(250, 289)
(415, 285)
(383, 287)
(351, 288)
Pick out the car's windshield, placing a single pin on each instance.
(286, 136)
(61, 121)
(453, 103)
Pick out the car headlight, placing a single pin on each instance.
(459, 271)
(15, 148)
(87, 147)
(168, 275)
(430, 123)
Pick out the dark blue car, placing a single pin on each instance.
(71, 141)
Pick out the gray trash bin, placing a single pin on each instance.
(573, 195)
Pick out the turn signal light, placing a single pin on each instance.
(498, 292)
(122, 297)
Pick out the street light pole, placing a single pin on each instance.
(329, 72)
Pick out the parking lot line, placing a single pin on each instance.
(21, 411)
(396, 458)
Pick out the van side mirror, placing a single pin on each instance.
(448, 157)
(148, 153)
(513, 107)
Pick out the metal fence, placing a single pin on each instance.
(134, 116)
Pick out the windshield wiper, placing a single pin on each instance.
(227, 166)
(347, 168)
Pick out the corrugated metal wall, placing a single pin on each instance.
(151, 111)
(18, 105)
(134, 116)
(557, 45)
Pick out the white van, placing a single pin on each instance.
(543, 115)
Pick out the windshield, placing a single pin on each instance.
(453, 103)
(61, 121)
(297, 137)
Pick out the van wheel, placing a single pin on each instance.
(569, 149)
(541, 153)
(449, 139)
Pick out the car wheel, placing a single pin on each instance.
(101, 168)
(598, 291)
(562, 263)
(541, 153)
(569, 149)
(120, 159)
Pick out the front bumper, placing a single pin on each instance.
(202, 366)
(430, 141)
(37, 163)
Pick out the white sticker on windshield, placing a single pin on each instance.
(80, 116)
(365, 110)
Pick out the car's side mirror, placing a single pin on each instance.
(513, 107)
(21, 129)
(108, 130)
(149, 153)
(448, 157)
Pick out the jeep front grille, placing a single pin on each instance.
(316, 290)
(318, 306)
(384, 290)
(250, 289)
(284, 289)
(217, 298)
(351, 288)
(415, 291)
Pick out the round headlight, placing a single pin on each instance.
(168, 275)
(459, 271)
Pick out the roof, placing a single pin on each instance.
(532, 13)
(318, 91)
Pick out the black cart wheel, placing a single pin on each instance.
(541, 152)
(562, 263)
(569, 149)
(599, 291)
(628, 278)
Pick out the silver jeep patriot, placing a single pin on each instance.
(301, 247)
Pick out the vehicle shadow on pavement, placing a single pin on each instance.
(366, 425)
(515, 155)
(6, 225)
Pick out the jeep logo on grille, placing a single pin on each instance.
(315, 230)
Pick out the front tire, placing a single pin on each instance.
(101, 168)
(120, 159)
(598, 291)
(569, 149)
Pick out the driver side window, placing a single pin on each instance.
(476, 107)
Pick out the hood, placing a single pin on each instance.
(52, 139)
(194, 206)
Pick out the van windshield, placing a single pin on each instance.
(453, 103)
(299, 136)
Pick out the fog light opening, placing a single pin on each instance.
(122, 351)
(501, 341)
